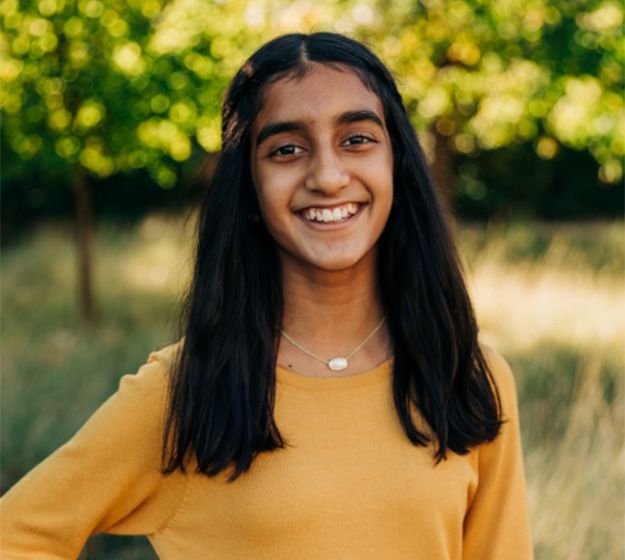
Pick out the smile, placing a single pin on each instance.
(334, 215)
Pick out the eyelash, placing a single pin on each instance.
(276, 152)
(368, 140)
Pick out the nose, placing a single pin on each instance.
(327, 173)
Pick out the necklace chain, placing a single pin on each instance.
(337, 363)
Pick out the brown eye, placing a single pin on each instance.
(287, 150)
(358, 139)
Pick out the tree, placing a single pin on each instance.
(478, 75)
(92, 88)
(486, 75)
(87, 91)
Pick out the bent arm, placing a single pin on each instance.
(105, 479)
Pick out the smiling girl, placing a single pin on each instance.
(329, 398)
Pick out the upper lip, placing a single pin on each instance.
(330, 206)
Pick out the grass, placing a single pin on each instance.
(548, 297)
(551, 299)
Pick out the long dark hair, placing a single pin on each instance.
(222, 387)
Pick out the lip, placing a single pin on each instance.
(320, 226)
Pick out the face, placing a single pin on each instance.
(322, 166)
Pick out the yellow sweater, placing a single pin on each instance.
(349, 486)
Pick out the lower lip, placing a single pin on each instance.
(330, 226)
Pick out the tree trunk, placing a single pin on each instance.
(443, 171)
(84, 234)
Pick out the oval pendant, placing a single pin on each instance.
(337, 364)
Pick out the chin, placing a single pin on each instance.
(338, 264)
(335, 267)
(328, 260)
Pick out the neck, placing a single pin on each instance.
(331, 312)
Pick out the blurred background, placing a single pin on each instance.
(111, 126)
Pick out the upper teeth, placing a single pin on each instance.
(330, 215)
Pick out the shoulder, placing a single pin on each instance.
(137, 408)
(167, 355)
(503, 379)
(497, 364)
(153, 375)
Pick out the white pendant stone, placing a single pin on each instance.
(337, 364)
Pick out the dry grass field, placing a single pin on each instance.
(550, 298)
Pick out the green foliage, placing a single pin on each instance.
(93, 83)
(492, 74)
(117, 85)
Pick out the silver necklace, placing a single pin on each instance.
(340, 362)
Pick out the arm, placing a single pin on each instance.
(105, 479)
(496, 525)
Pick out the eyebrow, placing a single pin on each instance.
(271, 129)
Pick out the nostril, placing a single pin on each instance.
(327, 180)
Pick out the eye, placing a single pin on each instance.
(358, 139)
(286, 150)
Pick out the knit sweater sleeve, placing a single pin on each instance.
(105, 479)
(497, 524)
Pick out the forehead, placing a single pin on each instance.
(322, 92)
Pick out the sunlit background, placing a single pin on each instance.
(110, 114)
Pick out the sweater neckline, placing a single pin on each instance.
(373, 375)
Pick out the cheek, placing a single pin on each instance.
(274, 198)
(388, 177)
(275, 187)
(264, 183)
(269, 195)
(380, 174)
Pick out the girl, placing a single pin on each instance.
(329, 398)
